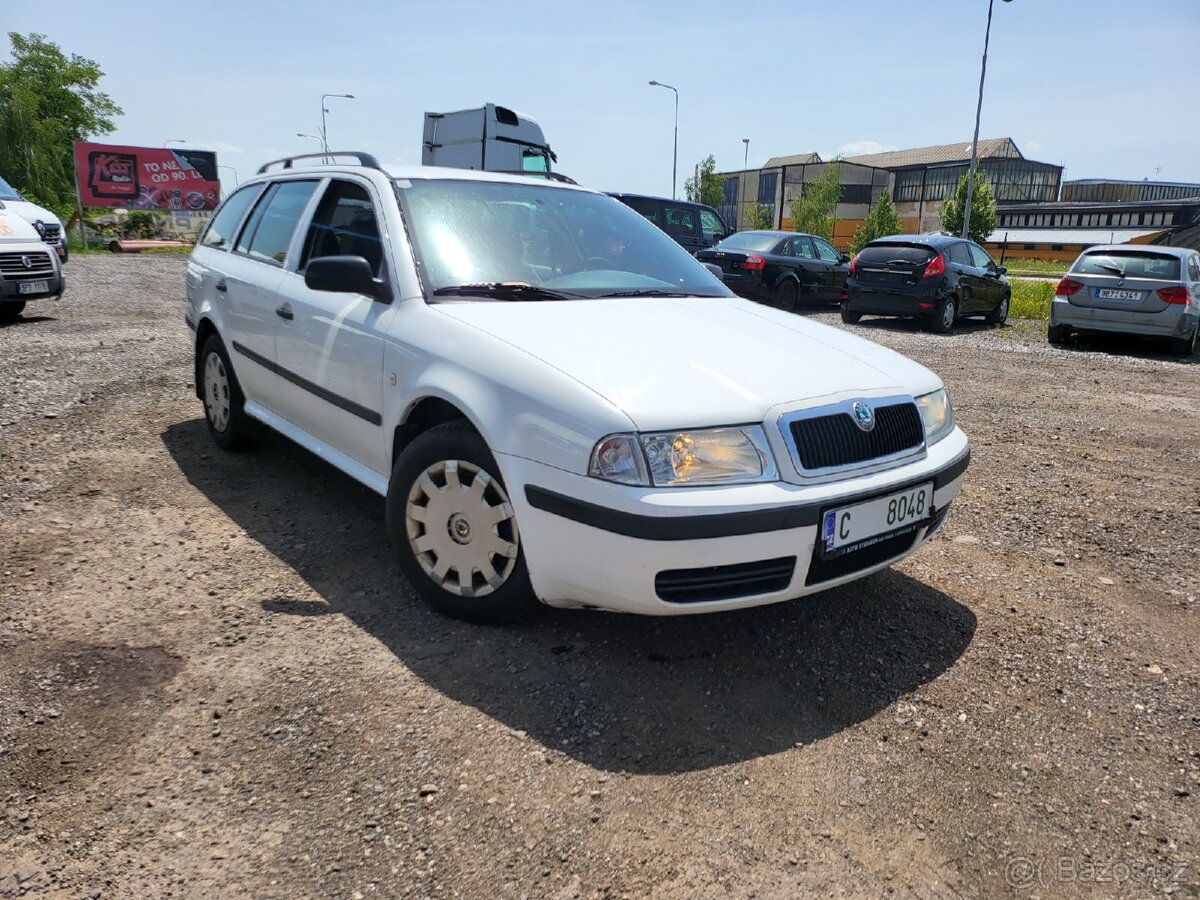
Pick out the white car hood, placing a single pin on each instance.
(695, 362)
(14, 228)
(31, 212)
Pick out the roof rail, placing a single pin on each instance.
(364, 159)
(549, 176)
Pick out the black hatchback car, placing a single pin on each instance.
(781, 267)
(932, 277)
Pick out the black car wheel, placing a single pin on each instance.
(1185, 346)
(942, 321)
(1000, 314)
(1056, 335)
(850, 318)
(10, 311)
(785, 295)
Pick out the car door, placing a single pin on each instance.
(331, 344)
(809, 270)
(682, 223)
(971, 283)
(989, 276)
(833, 271)
(712, 229)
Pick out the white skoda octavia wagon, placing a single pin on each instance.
(559, 403)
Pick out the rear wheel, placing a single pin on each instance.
(227, 421)
(785, 295)
(1185, 346)
(454, 529)
(943, 319)
(998, 315)
(10, 311)
(1056, 335)
(849, 317)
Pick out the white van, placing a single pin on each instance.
(29, 270)
(48, 226)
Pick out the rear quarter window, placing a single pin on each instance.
(1129, 264)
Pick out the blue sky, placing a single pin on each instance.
(1107, 87)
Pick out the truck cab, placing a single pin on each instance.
(491, 138)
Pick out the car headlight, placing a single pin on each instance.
(936, 414)
(736, 455)
(40, 227)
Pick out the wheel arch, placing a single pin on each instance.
(423, 414)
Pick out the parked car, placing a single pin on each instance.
(781, 267)
(29, 270)
(587, 423)
(931, 277)
(1152, 291)
(693, 226)
(48, 226)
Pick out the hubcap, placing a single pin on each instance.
(216, 392)
(461, 528)
(948, 314)
(1004, 309)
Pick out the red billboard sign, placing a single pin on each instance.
(146, 177)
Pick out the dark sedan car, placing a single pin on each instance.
(931, 277)
(781, 267)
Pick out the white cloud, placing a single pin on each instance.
(1032, 147)
(215, 146)
(861, 148)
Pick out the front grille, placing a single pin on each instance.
(12, 265)
(822, 570)
(834, 441)
(725, 582)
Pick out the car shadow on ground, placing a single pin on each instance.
(1129, 345)
(620, 693)
(25, 320)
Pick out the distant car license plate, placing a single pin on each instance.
(33, 287)
(862, 524)
(1114, 294)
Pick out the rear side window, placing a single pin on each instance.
(801, 247)
(225, 222)
(1193, 268)
(881, 254)
(275, 225)
(679, 220)
(648, 208)
(959, 254)
(1129, 264)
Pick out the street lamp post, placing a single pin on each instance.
(174, 141)
(978, 109)
(675, 150)
(324, 131)
(315, 137)
(746, 157)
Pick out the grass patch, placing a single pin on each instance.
(1030, 299)
(1044, 267)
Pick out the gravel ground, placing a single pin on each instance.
(215, 682)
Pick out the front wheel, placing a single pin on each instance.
(9, 311)
(943, 319)
(454, 529)
(1000, 314)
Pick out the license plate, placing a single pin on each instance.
(33, 287)
(1114, 294)
(862, 524)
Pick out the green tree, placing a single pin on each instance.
(983, 209)
(880, 222)
(812, 211)
(711, 189)
(759, 216)
(47, 102)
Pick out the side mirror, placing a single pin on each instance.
(345, 275)
(1000, 270)
(845, 257)
(716, 270)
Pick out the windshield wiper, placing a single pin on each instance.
(1112, 267)
(505, 290)
(651, 292)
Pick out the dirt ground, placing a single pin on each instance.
(214, 680)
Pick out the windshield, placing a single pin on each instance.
(8, 192)
(749, 240)
(568, 244)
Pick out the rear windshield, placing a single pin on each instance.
(909, 254)
(1129, 264)
(748, 240)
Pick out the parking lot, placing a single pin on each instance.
(214, 679)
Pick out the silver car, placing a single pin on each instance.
(1151, 291)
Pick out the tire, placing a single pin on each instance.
(943, 319)
(999, 315)
(851, 318)
(9, 311)
(786, 294)
(224, 402)
(441, 524)
(1185, 346)
(1056, 335)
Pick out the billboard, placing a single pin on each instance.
(146, 177)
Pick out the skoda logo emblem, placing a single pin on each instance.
(27, 262)
(864, 416)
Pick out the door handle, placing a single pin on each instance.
(285, 312)
(221, 286)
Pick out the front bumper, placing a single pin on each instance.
(9, 290)
(1173, 322)
(591, 543)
